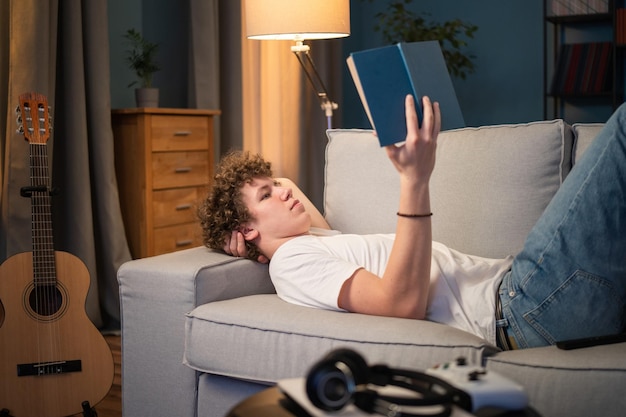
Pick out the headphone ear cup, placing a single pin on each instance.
(332, 381)
(357, 364)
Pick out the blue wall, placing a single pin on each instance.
(123, 15)
(163, 21)
(507, 85)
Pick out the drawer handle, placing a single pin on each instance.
(182, 170)
(183, 207)
(182, 133)
(181, 243)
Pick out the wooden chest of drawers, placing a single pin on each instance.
(164, 162)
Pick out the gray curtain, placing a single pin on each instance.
(28, 45)
(61, 49)
(204, 86)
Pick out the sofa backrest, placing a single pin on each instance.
(584, 134)
(489, 187)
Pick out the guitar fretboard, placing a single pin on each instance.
(44, 268)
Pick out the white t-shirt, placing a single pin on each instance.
(310, 271)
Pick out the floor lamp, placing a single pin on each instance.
(300, 20)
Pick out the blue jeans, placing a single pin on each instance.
(569, 281)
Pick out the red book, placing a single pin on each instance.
(603, 68)
(584, 64)
(620, 36)
(590, 62)
(560, 71)
(572, 69)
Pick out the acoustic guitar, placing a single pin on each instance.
(53, 360)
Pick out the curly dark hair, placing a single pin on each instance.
(223, 211)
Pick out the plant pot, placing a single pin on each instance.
(147, 97)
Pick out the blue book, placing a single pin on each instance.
(384, 76)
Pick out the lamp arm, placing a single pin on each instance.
(302, 53)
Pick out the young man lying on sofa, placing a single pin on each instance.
(568, 282)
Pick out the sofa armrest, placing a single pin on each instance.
(155, 295)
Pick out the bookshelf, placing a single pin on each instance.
(584, 43)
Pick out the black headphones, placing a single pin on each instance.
(342, 376)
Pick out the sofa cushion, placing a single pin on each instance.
(584, 134)
(262, 338)
(559, 380)
(482, 176)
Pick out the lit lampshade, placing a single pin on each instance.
(297, 19)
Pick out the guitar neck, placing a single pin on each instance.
(44, 267)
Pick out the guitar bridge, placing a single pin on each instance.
(49, 368)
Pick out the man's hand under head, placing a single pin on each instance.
(235, 245)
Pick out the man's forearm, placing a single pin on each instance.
(408, 269)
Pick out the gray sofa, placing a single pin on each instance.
(201, 330)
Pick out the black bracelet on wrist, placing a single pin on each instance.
(413, 215)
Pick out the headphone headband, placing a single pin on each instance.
(342, 376)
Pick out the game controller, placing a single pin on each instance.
(485, 388)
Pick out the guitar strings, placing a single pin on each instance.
(46, 303)
(35, 295)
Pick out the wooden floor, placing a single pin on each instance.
(111, 405)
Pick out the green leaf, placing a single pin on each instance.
(399, 23)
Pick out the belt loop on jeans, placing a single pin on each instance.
(502, 338)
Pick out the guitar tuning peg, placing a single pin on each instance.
(18, 110)
(20, 124)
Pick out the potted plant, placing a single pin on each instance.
(399, 23)
(141, 59)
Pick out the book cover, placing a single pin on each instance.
(384, 76)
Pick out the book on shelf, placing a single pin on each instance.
(583, 69)
(620, 26)
(577, 7)
(385, 76)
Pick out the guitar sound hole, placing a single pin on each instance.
(45, 300)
